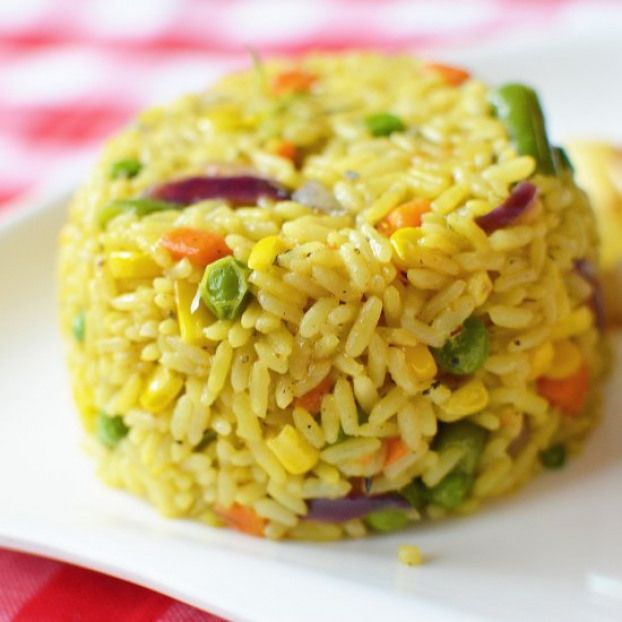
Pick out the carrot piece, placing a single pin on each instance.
(293, 81)
(200, 247)
(568, 394)
(396, 450)
(452, 75)
(405, 215)
(312, 400)
(242, 518)
(286, 149)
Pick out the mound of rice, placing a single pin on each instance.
(332, 296)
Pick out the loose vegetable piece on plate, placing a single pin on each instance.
(333, 297)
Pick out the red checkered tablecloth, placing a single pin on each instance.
(74, 71)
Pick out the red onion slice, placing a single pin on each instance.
(348, 508)
(520, 200)
(587, 270)
(238, 190)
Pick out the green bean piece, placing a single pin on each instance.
(518, 108)
(224, 288)
(140, 207)
(467, 351)
(468, 437)
(563, 163)
(78, 327)
(384, 124)
(125, 169)
(109, 430)
(452, 490)
(390, 519)
(554, 457)
(415, 493)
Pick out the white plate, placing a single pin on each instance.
(551, 552)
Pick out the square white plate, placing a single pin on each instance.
(551, 552)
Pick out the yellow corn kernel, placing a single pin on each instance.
(132, 265)
(265, 251)
(421, 362)
(410, 555)
(224, 117)
(403, 241)
(567, 360)
(162, 388)
(293, 451)
(575, 323)
(469, 399)
(541, 359)
(191, 323)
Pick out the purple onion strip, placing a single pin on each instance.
(348, 508)
(238, 190)
(520, 200)
(586, 269)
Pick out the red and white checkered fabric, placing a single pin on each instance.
(74, 71)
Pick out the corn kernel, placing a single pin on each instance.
(575, 323)
(567, 360)
(265, 251)
(403, 242)
(162, 388)
(410, 555)
(469, 399)
(421, 361)
(191, 323)
(541, 359)
(131, 265)
(224, 117)
(293, 451)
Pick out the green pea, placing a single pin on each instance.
(554, 457)
(415, 493)
(109, 430)
(140, 207)
(468, 437)
(467, 351)
(224, 288)
(384, 123)
(452, 490)
(390, 519)
(78, 327)
(518, 108)
(125, 169)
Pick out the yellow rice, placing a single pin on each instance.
(330, 296)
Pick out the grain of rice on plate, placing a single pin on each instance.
(332, 296)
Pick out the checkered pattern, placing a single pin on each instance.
(74, 71)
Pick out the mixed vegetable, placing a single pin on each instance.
(518, 107)
(140, 207)
(78, 327)
(200, 247)
(125, 169)
(109, 430)
(224, 288)
(467, 351)
(521, 199)
(384, 124)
